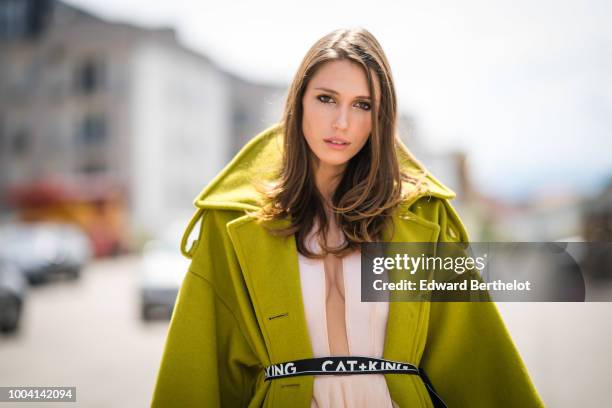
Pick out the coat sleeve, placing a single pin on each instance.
(205, 354)
(469, 356)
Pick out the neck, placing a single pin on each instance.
(327, 178)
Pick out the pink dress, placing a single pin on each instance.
(365, 330)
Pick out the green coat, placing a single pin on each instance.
(222, 333)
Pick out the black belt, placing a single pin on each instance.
(349, 365)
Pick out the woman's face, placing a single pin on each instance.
(337, 119)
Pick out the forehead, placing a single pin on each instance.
(345, 77)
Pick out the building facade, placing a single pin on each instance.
(83, 98)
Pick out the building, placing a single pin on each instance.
(84, 97)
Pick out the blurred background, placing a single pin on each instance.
(115, 114)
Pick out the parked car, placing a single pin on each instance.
(12, 295)
(41, 250)
(162, 271)
(74, 249)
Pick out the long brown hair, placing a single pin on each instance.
(370, 187)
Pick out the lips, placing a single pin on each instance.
(337, 141)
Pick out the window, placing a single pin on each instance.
(90, 76)
(21, 142)
(24, 18)
(93, 168)
(92, 131)
(13, 18)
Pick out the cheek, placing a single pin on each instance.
(313, 111)
(363, 128)
(313, 121)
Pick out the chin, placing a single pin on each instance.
(334, 160)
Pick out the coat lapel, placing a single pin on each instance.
(407, 321)
(271, 272)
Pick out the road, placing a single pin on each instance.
(87, 333)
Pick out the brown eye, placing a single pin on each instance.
(364, 105)
(324, 98)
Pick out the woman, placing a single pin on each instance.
(275, 269)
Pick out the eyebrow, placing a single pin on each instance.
(336, 93)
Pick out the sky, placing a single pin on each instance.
(523, 87)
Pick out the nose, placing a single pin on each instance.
(341, 122)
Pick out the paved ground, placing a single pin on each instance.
(567, 348)
(88, 334)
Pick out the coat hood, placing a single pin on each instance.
(233, 188)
